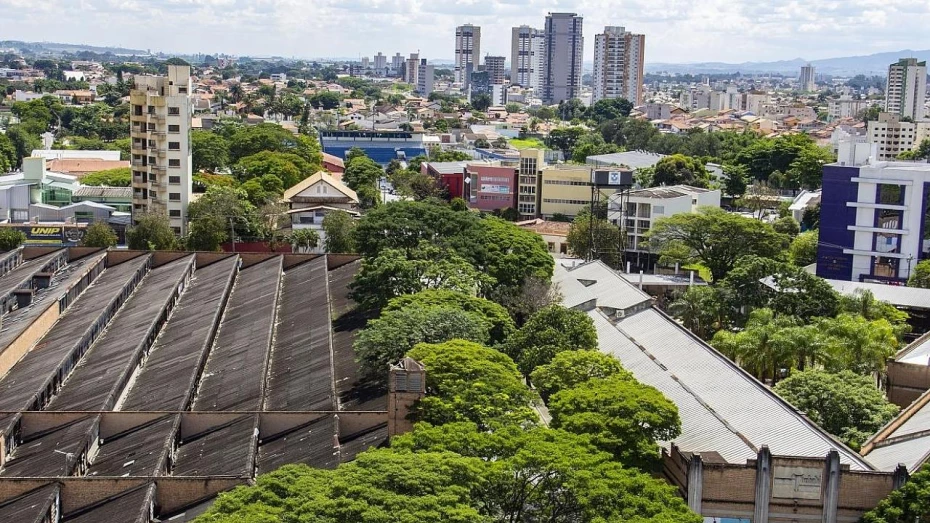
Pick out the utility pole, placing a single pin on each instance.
(232, 233)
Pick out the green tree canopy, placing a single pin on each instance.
(701, 309)
(119, 177)
(303, 240)
(99, 234)
(501, 324)
(714, 238)
(152, 232)
(468, 382)
(387, 339)
(622, 417)
(394, 273)
(287, 167)
(339, 228)
(570, 369)
(270, 137)
(607, 239)
(787, 226)
(845, 404)
(209, 151)
(11, 238)
(550, 331)
(803, 248)
(920, 276)
(679, 169)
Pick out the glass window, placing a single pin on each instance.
(174, 196)
(887, 243)
(174, 128)
(174, 111)
(174, 146)
(889, 194)
(888, 219)
(174, 213)
(885, 267)
(174, 162)
(174, 179)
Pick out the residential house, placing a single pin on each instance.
(313, 198)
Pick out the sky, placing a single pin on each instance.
(677, 31)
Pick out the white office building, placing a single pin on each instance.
(618, 65)
(160, 116)
(467, 51)
(906, 92)
(380, 64)
(644, 206)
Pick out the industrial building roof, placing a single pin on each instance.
(180, 375)
(723, 409)
(899, 296)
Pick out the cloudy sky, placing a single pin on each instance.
(676, 30)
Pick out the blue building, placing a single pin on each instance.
(380, 146)
(873, 221)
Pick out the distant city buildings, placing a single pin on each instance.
(906, 91)
(808, 80)
(160, 113)
(528, 49)
(412, 69)
(467, 51)
(618, 65)
(564, 57)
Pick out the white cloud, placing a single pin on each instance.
(676, 31)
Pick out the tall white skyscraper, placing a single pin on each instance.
(564, 55)
(808, 79)
(907, 88)
(618, 65)
(160, 128)
(467, 51)
(397, 64)
(527, 50)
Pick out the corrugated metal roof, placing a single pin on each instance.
(917, 353)
(911, 453)
(735, 404)
(909, 297)
(595, 281)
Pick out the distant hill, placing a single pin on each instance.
(54, 47)
(842, 66)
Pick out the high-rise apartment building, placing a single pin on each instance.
(494, 65)
(906, 92)
(467, 51)
(527, 49)
(808, 79)
(618, 65)
(412, 69)
(160, 116)
(564, 55)
(892, 136)
(425, 76)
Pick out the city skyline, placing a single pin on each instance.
(331, 27)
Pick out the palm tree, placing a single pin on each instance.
(236, 92)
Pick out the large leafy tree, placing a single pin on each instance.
(394, 273)
(680, 169)
(270, 137)
(213, 214)
(622, 416)
(858, 344)
(514, 254)
(551, 475)
(11, 238)
(209, 151)
(501, 324)
(714, 238)
(803, 248)
(119, 177)
(764, 346)
(99, 234)
(550, 331)
(152, 231)
(845, 404)
(339, 227)
(920, 276)
(287, 167)
(466, 381)
(403, 225)
(701, 310)
(387, 339)
(607, 239)
(570, 369)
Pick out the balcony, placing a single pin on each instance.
(158, 168)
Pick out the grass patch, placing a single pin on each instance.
(702, 271)
(526, 143)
